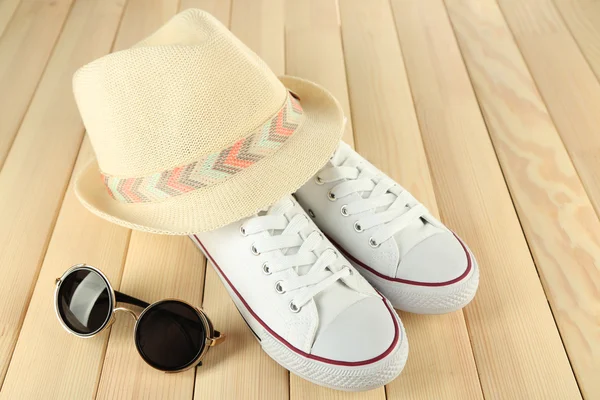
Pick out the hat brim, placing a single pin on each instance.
(244, 193)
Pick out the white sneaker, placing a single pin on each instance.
(395, 243)
(311, 311)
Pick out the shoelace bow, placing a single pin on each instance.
(288, 234)
(394, 208)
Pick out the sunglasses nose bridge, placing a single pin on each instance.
(128, 311)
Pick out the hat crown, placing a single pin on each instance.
(189, 90)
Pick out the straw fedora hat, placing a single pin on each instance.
(192, 131)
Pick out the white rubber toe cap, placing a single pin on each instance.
(439, 259)
(364, 331)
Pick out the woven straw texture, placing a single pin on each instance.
(189, 90)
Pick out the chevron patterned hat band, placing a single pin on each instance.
(214, 167)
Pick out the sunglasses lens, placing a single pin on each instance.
(170, 335)
(84, 301)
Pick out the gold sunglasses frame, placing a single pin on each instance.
(212, 338)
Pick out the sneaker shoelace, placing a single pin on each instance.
(291, 234)
(393, 208)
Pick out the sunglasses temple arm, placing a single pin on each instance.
(123, 298)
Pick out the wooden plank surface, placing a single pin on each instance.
(400, 77)
(36, 24)
(583, 20)
(441, 363)
(48, 362)
(313, 50)
(7, 10)
(556, 214)
(141, 18)
(565, 81)
(240, 368)
(36, 173)
(260, 25)
(510, 300)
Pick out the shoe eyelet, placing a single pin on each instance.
(253, 250)
(349, 269)
(266, 269)
(311, 213)
(243, 231)
(318, 180)
(279, 288)
(293, 307)
(357, 227)
(331, 196)
(373, 243)
(344, 210)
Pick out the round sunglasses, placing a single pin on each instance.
(170, 335)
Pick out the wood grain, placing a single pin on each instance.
(441, 363)
(37, 171)
(240, 368)
(302, 389)
(556, 214)
(565, 81)
(533, 65)
(141, 18)
(313, 47)
(48, 362)
(7, 10)
(583, 20)
(517, 348)
(260, 25)
(36, 24)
